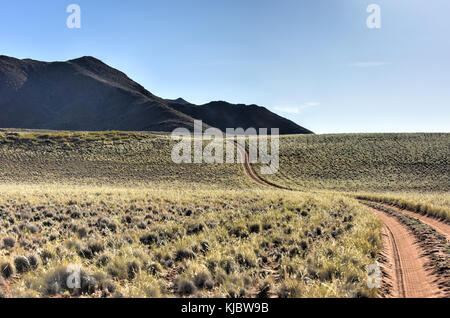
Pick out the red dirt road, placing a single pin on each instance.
(439, 226)
(405, 270)
(405, 273)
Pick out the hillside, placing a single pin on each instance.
(105, 158)
(223, 115)
(86, 94)
(365, 162)
(355, 162)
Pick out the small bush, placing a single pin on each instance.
(9, 242)
(22, 264)
(185, 287)
(133, 268)
(34, 261)
(6, 270)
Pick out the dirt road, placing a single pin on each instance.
(439, 226)
(405, 273)
(404, 267)
(248, 169)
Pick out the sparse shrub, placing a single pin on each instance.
(204, 247)
(86, 253)
(22, 264)
(32, 228)
(96, 247)
(195, 228)
(9, 242)
(82, 232)
(303, 245)
(142, 225)
(263, 290)
(7, 270)
(246, 260)
(202, 279)
(56, 282)
(184, 253)
(185, 287)
(46, 256)
(254, 228)
(34, 261)
(228, 265)
(149, 239)
(107, 288)
(103, 260)
(133, 268)
(239, 230)
(104, 223)
(290, 289)
(153, 269)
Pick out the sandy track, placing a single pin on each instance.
(405, 273)
(248, 169)
(439, 226)
(404, 268)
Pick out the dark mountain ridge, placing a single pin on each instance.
(87, 94)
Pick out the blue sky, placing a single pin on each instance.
(315, 62)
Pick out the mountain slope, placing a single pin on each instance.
(225, 115)
(87, 94)
(81, 94)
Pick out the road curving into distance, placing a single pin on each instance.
(404, 266)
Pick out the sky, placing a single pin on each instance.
(314, 62)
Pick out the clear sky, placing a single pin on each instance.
(313, 61)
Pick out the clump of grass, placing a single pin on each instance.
(6, 270)
(22, 264)
(9, 242)
(64, 279)
(185, 287)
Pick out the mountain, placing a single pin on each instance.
(87, 94)
(224, 115)
(178, 101)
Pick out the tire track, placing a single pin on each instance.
(404, 268)
(248, 169)
(439, 226)
(397, 263)
(405, 265)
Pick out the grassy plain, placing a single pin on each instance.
(106, 158)
(156, 243)
(365, 162)
(139, 225)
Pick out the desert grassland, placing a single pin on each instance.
(407, 170)
(139, 225)
(155, 243)
(365, 162)
(124, 159)
(434, 204)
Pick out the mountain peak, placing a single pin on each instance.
(86, 58)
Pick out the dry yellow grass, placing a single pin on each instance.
(156, 243)
(139, 225)
(434, 204)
